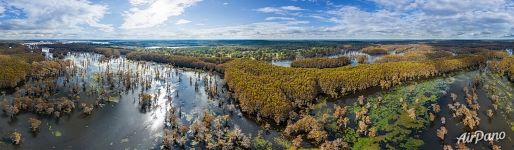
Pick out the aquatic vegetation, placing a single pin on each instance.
(366, 144)
(261, 144)
(284, 143)
(390, 119)
(499, 92)
(396, 114)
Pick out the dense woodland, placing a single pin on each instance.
(180, 61)
(60, 50)
(273, 92)
(273, 52)
(505, 66)
(13, 71)
(381, 49)
(16, 63)
(321, 62)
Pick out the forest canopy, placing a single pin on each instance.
(273, 91)
(206, 63)
(321, 62)
(504, 67)
(13, 70)
(397, 48)
(15, 62)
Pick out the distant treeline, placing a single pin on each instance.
(321, 62)
(180, 61)
(257, 52)
(60, 50)
(273, 91)
(381, 49)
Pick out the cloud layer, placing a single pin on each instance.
(427, 19)
(157, 12)
(158, 19)
(55, 14)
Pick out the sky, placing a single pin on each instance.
(256, 19)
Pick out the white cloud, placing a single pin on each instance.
(225, 3)
(425, 19)
(391, 19)
(182, 21)
(274, 30)
(2, 9)
(56, 14)
(284, 10)
(156, 13)
(269, 10)
(140, 2)
(279, 18)
(291, 8)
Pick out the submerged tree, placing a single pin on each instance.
(441, 132)
(490, 113)
(15, 137)
(34, 124)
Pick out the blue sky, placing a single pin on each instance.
(257, 19)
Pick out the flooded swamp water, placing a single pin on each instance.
(120, 122)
